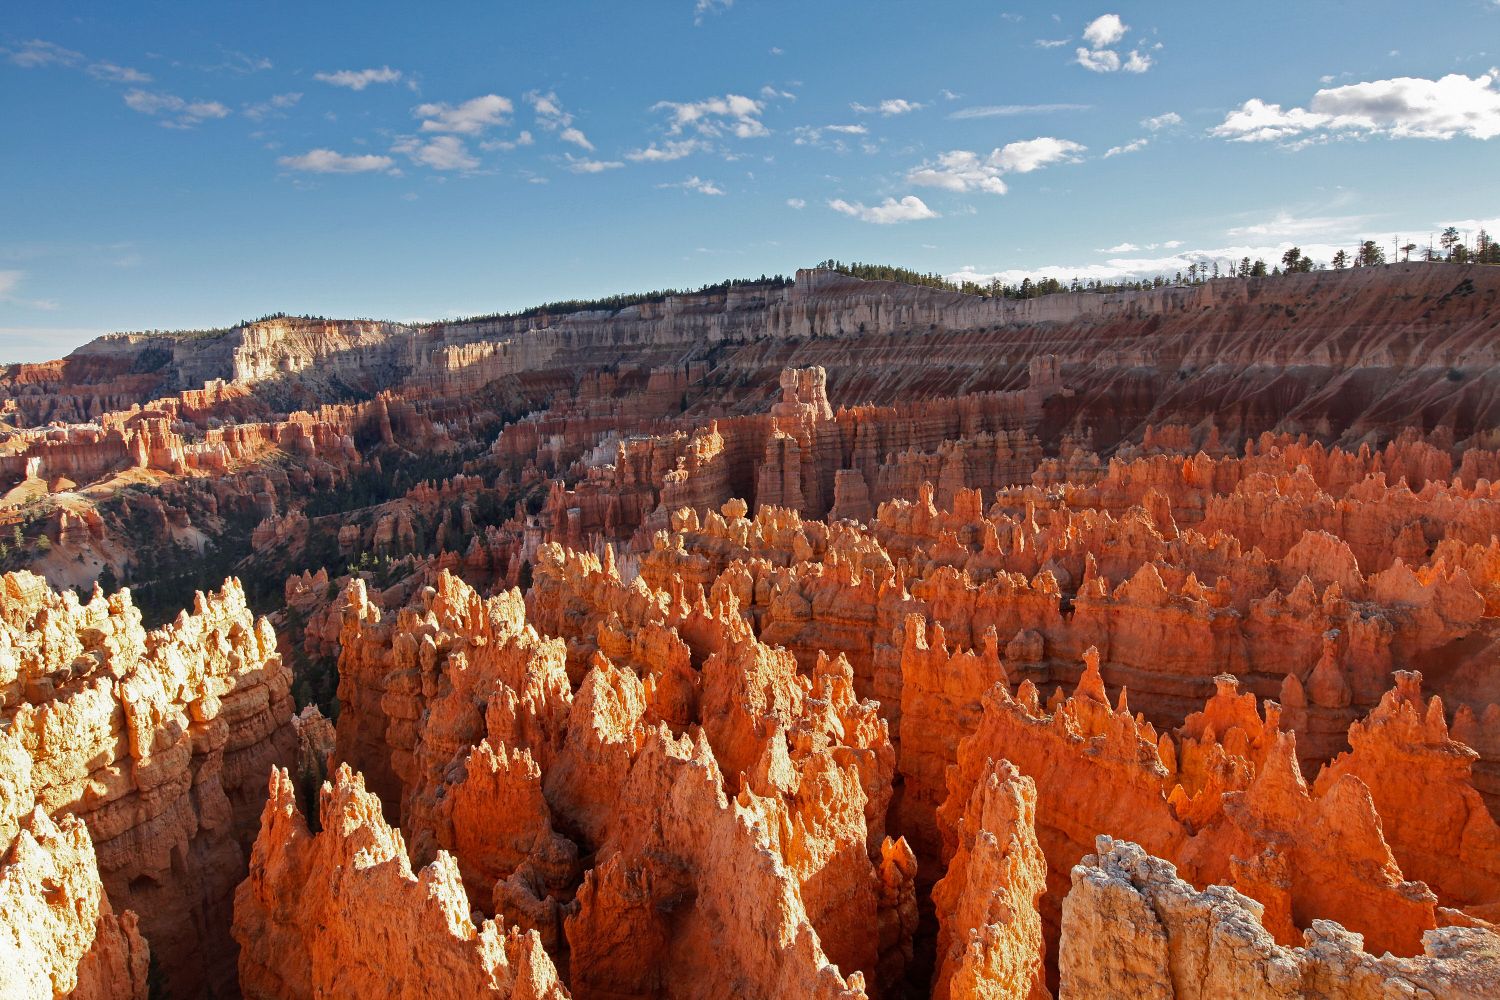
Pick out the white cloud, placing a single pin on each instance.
(1104, 31)
(1122, 248)
(327, 161)
(908, 209)
(797, 203)
(37, 53)
(1052, 43)
(359, 79)
(1134, 146)
(469, 118)
(1032, 154)
(672, 149)
(112, 73)
(1099, 54)
(890, 107)
(551, 117)
(174, 111)
(267, 108)
(696, 183)
(523, 138)
(583, 165)
(1009, 110)
(1401, 108)
(703, 7)
(443, 152)
(1100, 60)
(740, 115)
(1159, 122)
(961, 170)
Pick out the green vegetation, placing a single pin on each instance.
(614, 303)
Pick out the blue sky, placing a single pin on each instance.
(186, 165)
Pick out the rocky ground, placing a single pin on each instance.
(845, 639)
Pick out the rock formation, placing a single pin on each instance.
(340, 913)
(1131, 927)
(770, 640)
(157, 742)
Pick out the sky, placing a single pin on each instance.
(191, 165)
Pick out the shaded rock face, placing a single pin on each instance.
(155, 743)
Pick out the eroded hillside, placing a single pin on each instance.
(840, 639)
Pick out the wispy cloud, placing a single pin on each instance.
(705, 7)
(891, 211)
(523, 138)
(1292, 225)
(672, 149)
(1011, 110)
(38, 53)
(240, 63)
(1134, 146)
(112, 73)
(551, 117)
(327, 161)
(359, 79)
(696, 184)
(890, 107)
(830, 136)
(1169, 120)
(173, 111)
(584, 165)
(10, 282)
(272, 106)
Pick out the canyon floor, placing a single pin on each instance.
(831, 639)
